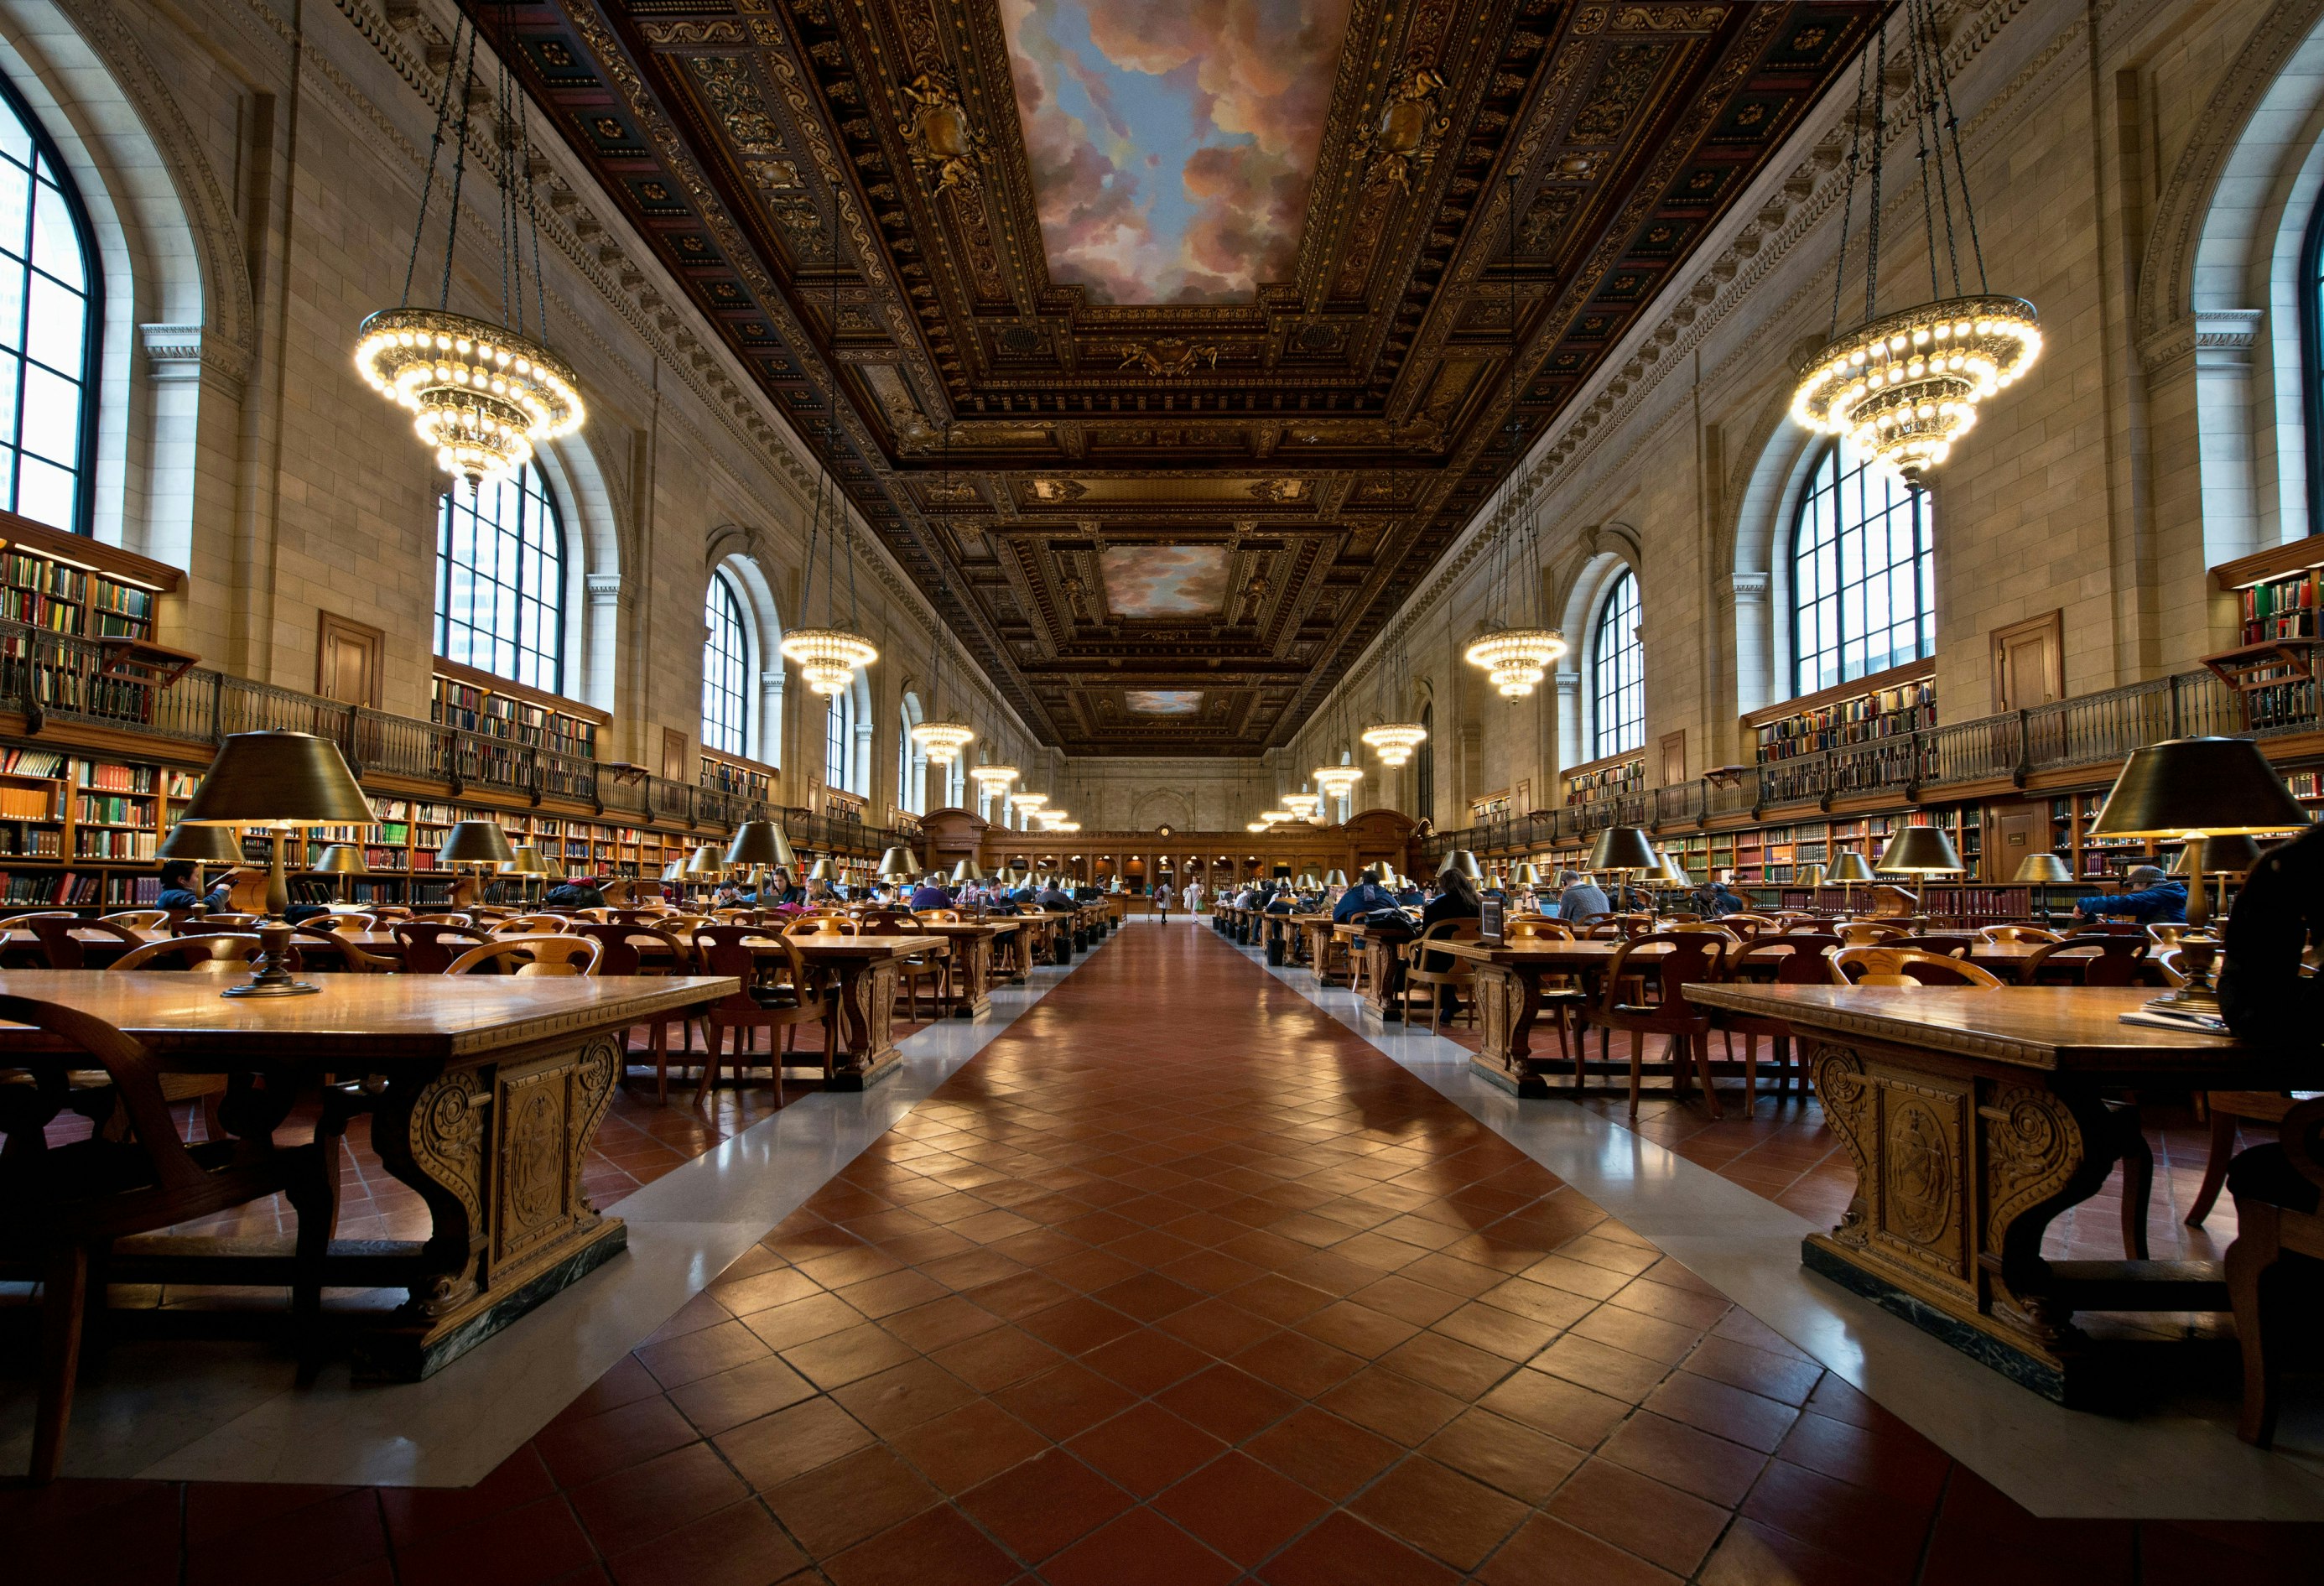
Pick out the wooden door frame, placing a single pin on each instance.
(2052, 623)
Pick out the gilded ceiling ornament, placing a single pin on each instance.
(1403, 143)
(937, 132)
(1056, 489)
(1279, 490)
(1170, 356)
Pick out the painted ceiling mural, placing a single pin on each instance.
(1165, 580)
(1165, 702)
(1169, 344)
(1172, 141)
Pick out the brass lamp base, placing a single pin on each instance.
(2198, 997)
(271, 974)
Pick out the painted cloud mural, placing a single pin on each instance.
(1172, 141)
(1164, 701)
(1165, 580)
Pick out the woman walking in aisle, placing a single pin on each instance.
(1162, 901)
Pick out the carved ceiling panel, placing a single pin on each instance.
(1167, 526)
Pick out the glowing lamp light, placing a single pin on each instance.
(828, 658)
(1393, 742)
(1516, 660)
(1906, 386)
(482, 396)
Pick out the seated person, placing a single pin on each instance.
(579, 893)
(1713, 900)
(1054, 898)
(1408, 896)
(2153, 898)
(931, 893)
(179, 879)
(1456, 898)
(726, 895)
(1364, 897)
(1282, 901)
(1579, 896)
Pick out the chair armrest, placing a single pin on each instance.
(2303, 1140)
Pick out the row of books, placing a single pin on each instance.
(113, 842)
(472, 709)
(2283, 608)
(1607, 782)
(60, 887)
(32, 842)
(113, 777)
(112, 810)
(22, 803)
(1880, 714)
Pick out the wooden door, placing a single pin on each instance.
(2013, 830)
(673, 756)
(2029, 662)
(1673, 758)
(349, 658)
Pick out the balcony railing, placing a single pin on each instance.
(59, 679)
(2090, 730)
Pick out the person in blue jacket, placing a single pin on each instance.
(2155, 898)
(1362, 900)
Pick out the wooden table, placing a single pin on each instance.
(1508, 999)
(1976, 1116)
(493, 1089)
(1381, 949)
(1324, 950)
(974, 950)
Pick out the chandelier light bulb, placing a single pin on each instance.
(1393, 742)
(482, 396)
(1516, 660)
(942, 741)
(1338, 780)
(993, 778)
(1904, 388)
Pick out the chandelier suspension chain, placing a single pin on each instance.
(1879, 155)
(1961, 165)
(435, 153)
(1848, 200)
(459, 170)
(1937, 137)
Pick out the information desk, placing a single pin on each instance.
(492, 1089)
(1975, 1117)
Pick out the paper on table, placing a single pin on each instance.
(2208, 1023)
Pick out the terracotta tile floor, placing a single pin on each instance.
(1179, 1282)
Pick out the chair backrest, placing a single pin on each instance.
(880, 920)
(736, 950)
(137, 1082)
(941, 916)
(1718, 927)
(137, 920)
(345, 923)
(593, 916)
(1866, 933)
(531, 925)
(218, 922)
(429, 945)
(2100, 961)
(317, 948)
(63, 938)
(1905, 966)
(217, 953)
(28, 916)
(620, 944)
(1534, 927)
(551, 954)
(2019, 932)
(2168, 932)
(1796, 960)
(1693, 956)
(823, 925)
(383, 912)
(1943, 943)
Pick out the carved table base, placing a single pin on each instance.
(867, 1021)
(1508, 1002)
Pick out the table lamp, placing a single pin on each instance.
(1338, 878)
(1464, 860)
(965, 871)
(340, 859)
(1528, 874)
(1624, 848)
(2042, 872)
(1380, 873)
(765, 845)
(2222, 857)
(899, 863)
(1671, 873)
(477, 845)
(1848, 870)
(525, 863)
(205, 846)
(2196, 789)
(1922, 851)
(818, 874)
(1810, 876)
(278, 781)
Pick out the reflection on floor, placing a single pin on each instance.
(1179, 1281)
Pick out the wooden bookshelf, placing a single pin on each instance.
(67, 583)
(1884, 704)
(730, 773)
(1595, 782)
(477, 702)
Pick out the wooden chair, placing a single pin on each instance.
(1692, 956)
(330, 951)
(429, 945)
(65, 1205)
(2228, 1108)
(2086, 961)
(1871, 933)
(345, 924)
(531, 924)
(2168, 933)
(65, 938)
(137, 920)
(1783, 961)
(823, 925)
(2018, 933)
(1943, 943)
(917, 968)
(620, 956)
(1905, 966)
(219, 953)
(29, 915)
(555, 955)
(771, 995)
(2277, 1189)
(1457, 978)
(1563, 996)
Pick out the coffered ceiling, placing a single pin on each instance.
(1172, 337)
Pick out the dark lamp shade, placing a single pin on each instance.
(278, 779)
(897, 862)
(1923, 850)
(1465, 862)
(1623, 848)
(703, 862)
(202, 844)
(1849, 868)
(1528, 874)
(1338, 878)
(525, 861)
(820, 870)
(675, 871)
(2185, 785)
(1810, 875)
(340, 859)
(1669, 871)
(2042, 870)
(966, 871)
(2231, 855)
(757, 842)
(475, 843)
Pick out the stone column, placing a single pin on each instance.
(771, 717)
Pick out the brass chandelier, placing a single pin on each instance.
(486, 396)
(944, 738)
(1904, 387)
(828, 657)
(1516, 656)
(1393, 741)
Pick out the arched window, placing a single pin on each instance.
(50, 318)
(911, 763)
(1424, 766)
(500, 580)
(725, 667)
(2312, 358)
(1618, 672)
(1864, 585)
(839, 743)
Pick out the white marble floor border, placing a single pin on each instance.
(2181, 1461)
(230, 1412)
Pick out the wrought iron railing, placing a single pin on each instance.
(61, 680)
(2090, 730)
